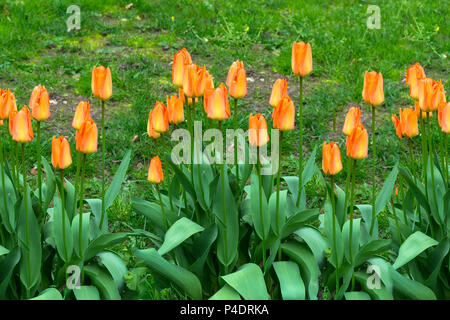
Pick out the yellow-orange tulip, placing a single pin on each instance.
(420, 112)
(352, 118)
(438, 95)
(190, 80)
(180, 60)
(331, 158)
(237, 80)
(357, 143)
(218, 107)
(175, 109)
(408, 121)
(21, 126)
(82, 113)
(87, 137)
(397, 125)
(279, 90)
(101, 83)
(301, 59)
(40, 103)
(414, 74)
(155, 173)
(257, 125)
(202, 80)
(160, 118)
(426, 94)
(12, 115)
(7, 103)
(373, 92)
(444, 117)
(284, 114)
(150, 131)
(61, 157)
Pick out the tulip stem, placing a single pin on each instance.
(38, 148)
(333, 206)
(17, 164)
(258, 170)
(63, 205)
(424, 153)
(166, 225)
(411, 159)
(80, 225)
(396, 222)
(103, 164)
(374, 158)
(77, 179)
(235, 120)
(25, 201)
(347, 183)
(224, 212)
(3, 162)
(352, 198)
(300, 157)
(446, 156)
(277, 207)
(432, 164)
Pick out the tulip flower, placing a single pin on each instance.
(331, 158)
(82, 113)
(438, 96)
(87, 137)
(160, 118)
(420, 112)
(373, 92)
(190, 80)
(22, 131)
(218, 107)
(175, 109)
(61, 157)
(101, 83)
(431, 94)
(357, 143)
(279, 90)
(12, 115)
(301, 59)
(444, 117)
(40, 103)
(204, 81)
(414, 74)
(258, 135)
(408, 120)
(150, 131)
(397, 125)
(180, 60)
(352, 119)
(237, 80)
(155, 173)
(7, 103)
(284, 114)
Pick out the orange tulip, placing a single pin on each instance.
(7, 103)
(258, 135)
(444, 117)
(418, 111)
(237, 80)
(217, 103)
(301, 59)
(101, 82)
(408, 121)
(352, 119)
(61, 157)
(190, 80)
(279, 89)
(373, 88)
(160, 118)
(431, 94)
(438, 95)
(150, 131)
(181, 94)
(397, 125)
(175, 109)
(180, 60)
(199, 86)
(155, 173)
(357, 143)
(40, 103)
(414, 74)
(21, 126)
(331, 158)
(284, 114)
(82, 113)
(12, 115)
(87, 137)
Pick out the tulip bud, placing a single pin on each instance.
(279, 89)
(190, 80)
(397, 125)
(396, 191)
(40, 103)
(21, 126)
(357, 143)
(426, 94)
(7, 103)
(217, 103)
(331, 158)
(408, 121)
(284, 115)
(61, 157)
(258, 135)
(82, 113)
(352, 119)
(160, 118)
(87, 137)
(373, 92)
(150, 131)
(180, 60)
(101, 83)
(414, 74)
(444, 117)
(301, 59)
(155, 173)
(237, 80)
(175, 109)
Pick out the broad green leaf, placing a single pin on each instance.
(315, 241)
(416, 189)
(411, 288)
(115, 265)
(117, 181)
(291, 283)
(371, 249)
(412, 247)
(377, 294)
(202, 247)
(337, 254)
(259, 211)
(436, 192)
(85, 233)
(356, 295)
(8, 217)
(366, 213)
(298, 220)
(181, 230)
(386, 192)
(7, 267)
(3, 251)
(62, 231)
(51, 185)
(249, 282)
(49, 294)
(436, 258)
(226, 293)
(86, 293)
(355, 239)
(103, 242)
(103, 281)
(153, 212)
(278, 225)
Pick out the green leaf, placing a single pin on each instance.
(226, 293)
(259, 211)
(117, 181)
(411, 288)
(152, 211)
(355, 239)
(49, 294)
(85, 234)
(356, 295)
(3, 250)
(50, 187)
(386, 192)
(315, 241)
(115, 265)
(8, 217)
(291, 283)
(278, 225)
(7, 267)
(103, 242)
(249, 282)
(412, 247)
(103, 282)
(202, 247)
(337, 256)
(298, 220)
(371, 249)
(436, 258)
(417, 190)
(86, 293)
(377, 294)
(181, 277)
(63, 235)
(181, 230)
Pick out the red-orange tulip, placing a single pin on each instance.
(373, 92)
(414, 74)
(101, 83)
(301, 59)
(357, 143)
(352, 119)
(160, 118)
(331, 158)
(21, 126)
(155, 173)
(237, 80)
(40, 103)
(61, 157)
(87, 137)
(279, 89)
(7, 103)
(175, 109)
(180, 60)
(218, 107)
(257, 125)
(444, 117)
(284, 114)
(82, 113)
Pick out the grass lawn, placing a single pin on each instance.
(138, 42)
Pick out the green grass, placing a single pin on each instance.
(138, 44)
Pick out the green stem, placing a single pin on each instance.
(80, 225)
(347, 183)
(103, 164)
(166, 225)
(374, 158)
(258, 170)
(235, 120)
(431, 163)
(3, 162)
(17, 163)
(38, 149)
(396, 222)
(412, 167)
(352, 198)
(424, 153)
(300, 158)
(333, 205)
(446, 157)
(25, 201)
(77, 178)
(277, 208)
(224, 212)
(63, 205)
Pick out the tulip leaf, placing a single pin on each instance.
(202, 247)
(355, 239)
(62, 235)
(85, 234)
(103, 281)
(412, 247)
(115, 265)
(152, 211)
(356, 295)
(298, 220)
(103, 242)
(50, 188)
(226, 293)
(371, 249)
(49, 294)
(291, 283)
(117, 181)
(315, 241)
(7, 266)
(181, 230)
(8, 217)
(86, 293)
(278, 225)
(380, 293)
(410, 288)
(386, 192)
(259, 210)
(337, 256)
(3, 250)
(249, 282)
